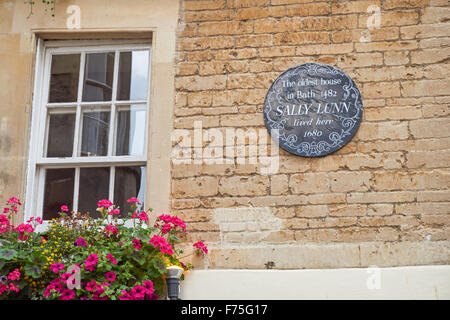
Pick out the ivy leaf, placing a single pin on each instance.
(142, 235)
(8, 254)
(159, 265)
(33, 271)
(22, 284)
(138, 258)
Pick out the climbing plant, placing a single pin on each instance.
(50, 5)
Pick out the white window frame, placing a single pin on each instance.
(37, 163)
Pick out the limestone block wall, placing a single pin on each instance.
(383, 199)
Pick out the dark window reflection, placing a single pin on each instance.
(95, 133)
(129, 182)
(94, 186)
(65, 71)
(60, 135)
(98, 77)
(58, 191)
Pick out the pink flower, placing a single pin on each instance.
(15, 275)
(4, 219)
(110, 228)
(161, 242)
(114, 211)
(137, 244)
(38, 220)
(201, 247)
(110, 257)
(67, 294)
(55, 267)
(104, 203)
(133, 200)
(170, 222)
(148, 285)
(143, 216)
(14, 201)
(125, 296)
(91, 262)
(22, 228)
(65, 276)
(13, 288)
(90, 286)
(3, 288)
(99, 291)
(110, 276)
(6, 210)
(55, 285)
(138, 292)
(80, 242)
(64, 208)
(166, 228)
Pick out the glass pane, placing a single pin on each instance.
(60, 135)
(133, 75)
(95, 132)
(130, 131)
(94, 186)
(58, 191)
(65, 71)
(129, 182)
(98, 77)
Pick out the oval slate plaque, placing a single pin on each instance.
(316, 107)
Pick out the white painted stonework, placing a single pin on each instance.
(415, 282)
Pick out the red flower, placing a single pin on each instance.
(137, 244)
(67, 294)
(110, 257)
(15, 275)
(201, 247)
(110, 276)
(104, 203)
(161, 242)
(14, 201)
(133, 200)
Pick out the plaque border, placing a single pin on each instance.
(335, 139)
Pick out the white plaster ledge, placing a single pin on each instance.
(411, 282)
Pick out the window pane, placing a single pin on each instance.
(129, 182)
(58, 191)
(95, 132)
(130, 131)
(65, 71)
(133, 75)
(60, 135)
(94, 186)
(98, 77)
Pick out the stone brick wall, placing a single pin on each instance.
(382, 199)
